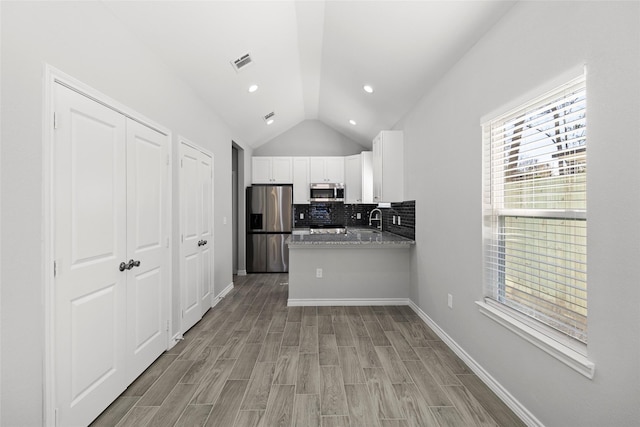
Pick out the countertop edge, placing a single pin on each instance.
(386, 240)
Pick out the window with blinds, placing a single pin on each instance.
(535, 210)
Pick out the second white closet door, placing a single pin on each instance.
(205, 174)
(196, 197)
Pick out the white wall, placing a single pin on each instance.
(532, 44)
(310, 138)
(83, 40)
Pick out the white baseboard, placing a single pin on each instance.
(175, 340)
(346, 302)
(523, 413)
(222, 294)
(242, 272)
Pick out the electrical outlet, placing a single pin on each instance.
(450, 301)
(318, 273)
(301, 216)
(358, 215)
(398, 219)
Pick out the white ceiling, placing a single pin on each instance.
(310, 58)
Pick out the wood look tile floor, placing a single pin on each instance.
(254, 362)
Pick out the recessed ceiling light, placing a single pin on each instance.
(269, 121)
(367, 89)
(353, 122)
(253, 88)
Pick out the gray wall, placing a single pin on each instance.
(534, 43)
(377, 267)
(310, 138)
(83, 40)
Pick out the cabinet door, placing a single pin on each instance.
(316, 170)
(367, 176)
(301, 180)
(334, 169)
(281, 170)
(261, 170)
(353, 179)
(377, 169)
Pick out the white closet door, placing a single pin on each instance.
(206, 230)
(147, 243)
(90, 243)
(190, 262)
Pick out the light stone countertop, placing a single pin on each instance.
(354, 237)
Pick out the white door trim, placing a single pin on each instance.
(185, 141)
(53, 76)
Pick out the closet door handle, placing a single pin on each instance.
(129, 265)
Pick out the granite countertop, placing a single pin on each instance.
(354, 237)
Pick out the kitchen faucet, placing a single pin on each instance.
(377, 217)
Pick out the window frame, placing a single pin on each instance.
(562, 346)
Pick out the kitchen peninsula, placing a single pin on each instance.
(360, 266)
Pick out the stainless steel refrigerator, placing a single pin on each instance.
(269, 210)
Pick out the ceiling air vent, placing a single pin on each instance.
(240, 63)
(269, 118)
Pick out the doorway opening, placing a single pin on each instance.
(238, 208)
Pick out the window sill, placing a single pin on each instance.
(566, 355)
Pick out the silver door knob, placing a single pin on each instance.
(129, 265)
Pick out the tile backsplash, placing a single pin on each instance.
(407, 213)
(345, 214)
(331, 213)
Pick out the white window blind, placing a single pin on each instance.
(535, 210)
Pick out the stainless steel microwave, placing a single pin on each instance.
(326, 192)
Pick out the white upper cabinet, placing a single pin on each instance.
(359, 178)
(301, 180)
(326, 169)
(388, 167)
(272, 170)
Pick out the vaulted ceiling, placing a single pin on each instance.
(310, 59)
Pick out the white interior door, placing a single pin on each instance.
(90, 243)
(206, 229)
(147, 245)
(190, 211)
(111, 215)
